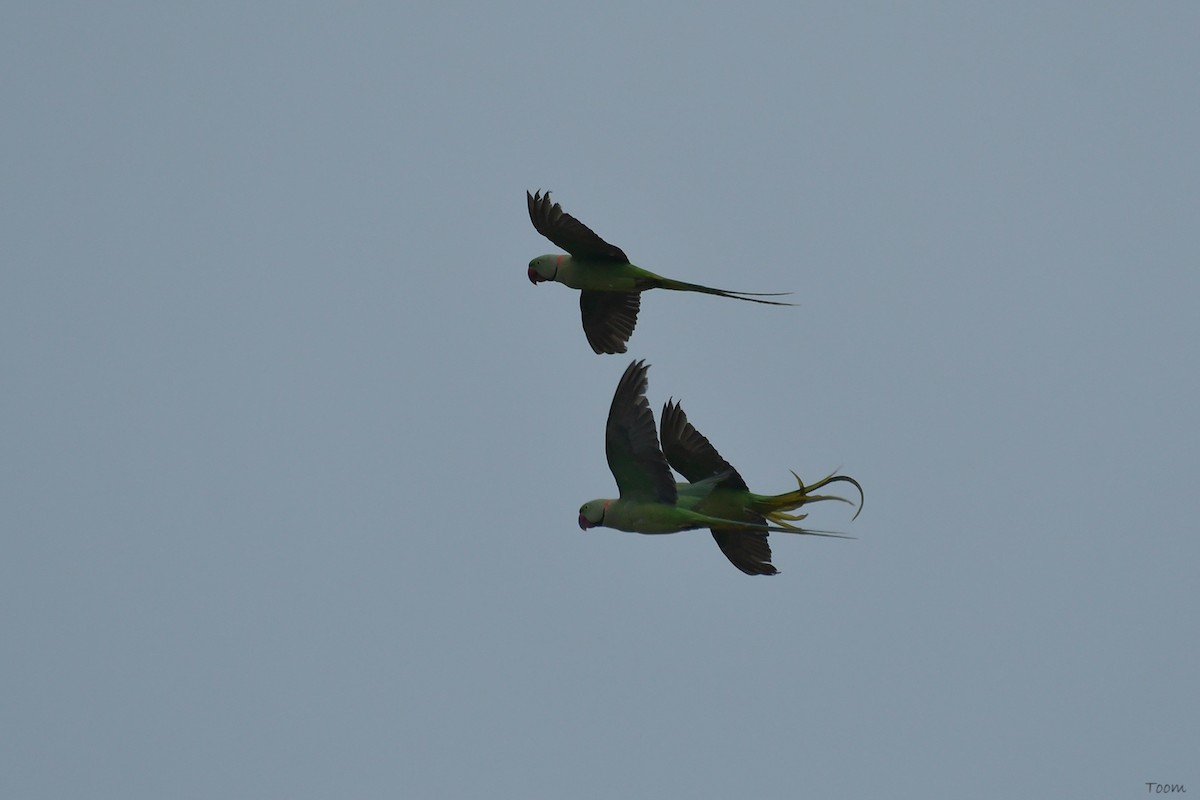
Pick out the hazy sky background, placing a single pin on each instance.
(292, 451)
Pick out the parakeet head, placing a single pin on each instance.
(591, 514)
(543, 268)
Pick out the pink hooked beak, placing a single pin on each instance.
(534, 277)
(584, 524)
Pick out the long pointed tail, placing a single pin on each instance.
(776, 507)
(752, 297)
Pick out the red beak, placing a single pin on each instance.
(534, 278)
(584, 524)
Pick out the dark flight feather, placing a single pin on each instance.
(631, 443)
(609, 318)
(569, 233)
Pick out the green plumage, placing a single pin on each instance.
(609, 285)
(714, 496)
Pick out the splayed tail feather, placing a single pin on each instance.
(776, 507)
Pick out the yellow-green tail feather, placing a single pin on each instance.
(776, 507)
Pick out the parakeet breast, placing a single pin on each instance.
(645, 518)
(600, 276)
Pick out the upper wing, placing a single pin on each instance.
(569, 233)
(747, 550)
(608, 318)
(631, 443)
(692, 456)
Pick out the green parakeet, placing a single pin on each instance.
(715, 495)
(610, 287)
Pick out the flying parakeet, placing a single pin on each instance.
(715, 495)
(610, 287)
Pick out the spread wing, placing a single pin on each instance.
(694, 457)
(609, 318)
(631, 443)
(747, 550)
(691, 454)
(569, 233)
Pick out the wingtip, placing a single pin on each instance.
(633, 380)
(672, 413)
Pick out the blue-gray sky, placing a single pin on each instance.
(292, 450)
